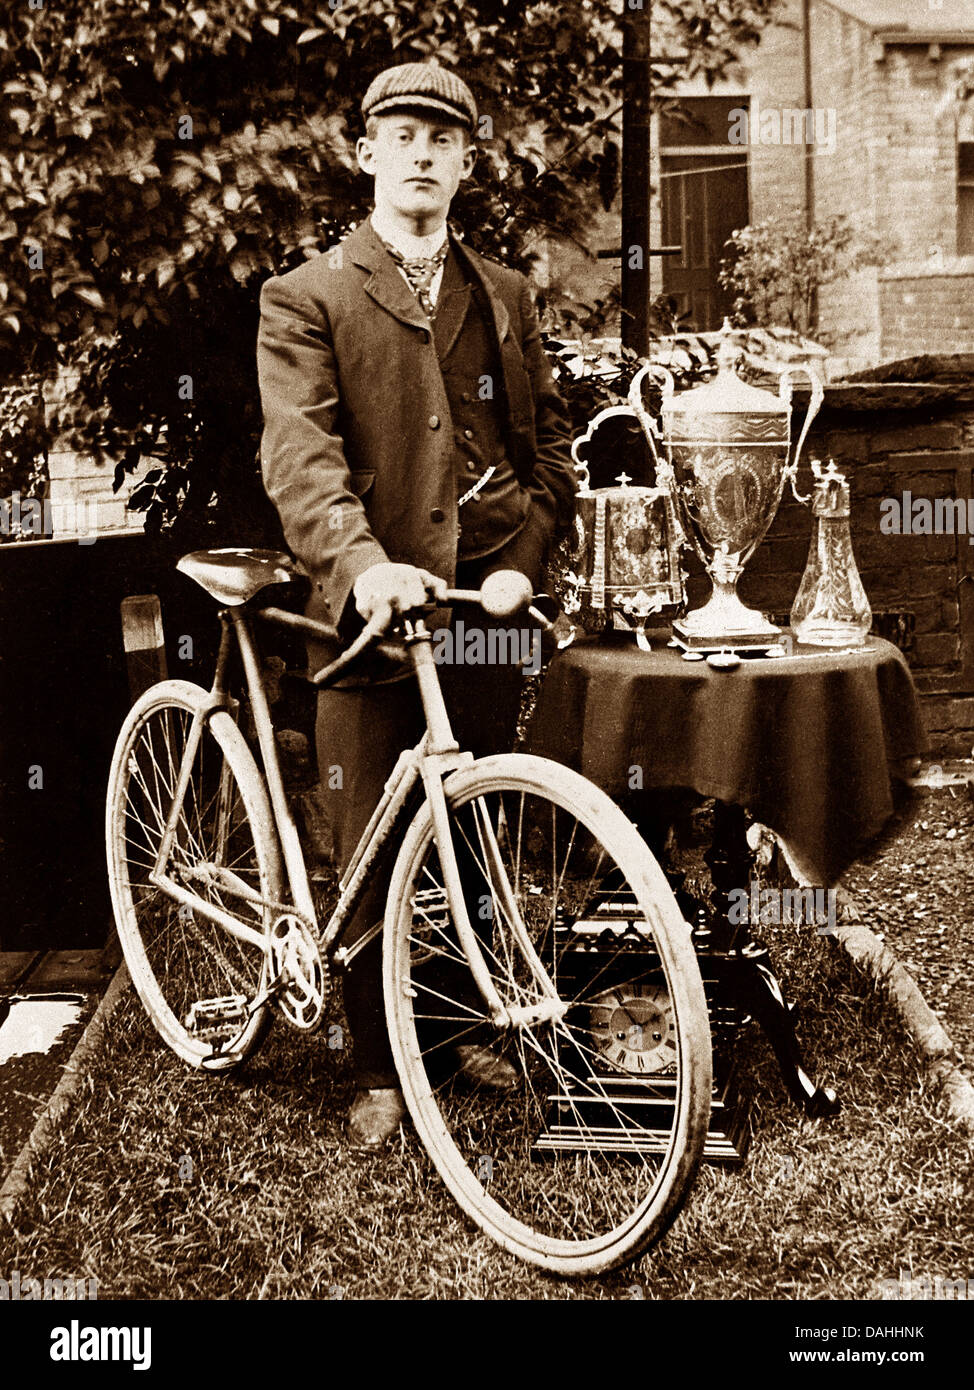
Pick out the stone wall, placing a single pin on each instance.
(892, 439)
(83, 501)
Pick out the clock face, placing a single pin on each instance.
(634, 1030)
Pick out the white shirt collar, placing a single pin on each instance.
(412, 247)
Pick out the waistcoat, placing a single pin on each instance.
(465, 341)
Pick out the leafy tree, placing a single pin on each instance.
(164, 156)
(777, 266)
(24, 442)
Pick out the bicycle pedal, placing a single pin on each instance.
(217, 1020)
(431, 907)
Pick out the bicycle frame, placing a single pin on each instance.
(435, 756)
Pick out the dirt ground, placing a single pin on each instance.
(914, 887)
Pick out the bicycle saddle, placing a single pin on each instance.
(233, 576)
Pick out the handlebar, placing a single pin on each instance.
(503, 593)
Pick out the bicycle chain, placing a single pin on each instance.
(246, 986)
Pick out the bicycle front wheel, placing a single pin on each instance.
(197, 981)
(576, 1145)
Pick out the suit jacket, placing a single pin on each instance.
(357, 450)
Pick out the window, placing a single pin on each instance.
(705, 121)
(703, 199)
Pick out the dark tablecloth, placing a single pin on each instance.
(803, 741)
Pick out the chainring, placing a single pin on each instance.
(295, 957)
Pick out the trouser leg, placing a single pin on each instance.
(362, 732)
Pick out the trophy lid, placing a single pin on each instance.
(622, 489)
(726, 394)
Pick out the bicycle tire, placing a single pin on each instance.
(499, 1154)
(178, 964)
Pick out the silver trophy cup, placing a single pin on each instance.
(728, 445)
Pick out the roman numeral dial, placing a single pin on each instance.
(633, 1028)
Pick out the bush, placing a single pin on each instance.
(778, 265)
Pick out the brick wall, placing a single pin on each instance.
(848, 180)
(892, 172)
(927, 308)
(773, 78)
(888, 440)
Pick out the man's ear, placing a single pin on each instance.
(365, 151)
(469, 160)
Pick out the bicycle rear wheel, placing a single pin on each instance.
(588, 1156)
(197, 981)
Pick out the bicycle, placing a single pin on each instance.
(525, 912)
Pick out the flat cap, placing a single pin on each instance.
(422, 86)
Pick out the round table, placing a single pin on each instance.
(804, 741)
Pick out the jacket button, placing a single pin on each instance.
(434, 422)
(471, 466)
(437, 514)
(465, 397)
(468, 434)
(424, 337)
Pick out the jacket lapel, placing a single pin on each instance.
(502, 322)
(452, 304)
(517, 388)
(385, 284)
(388, 289)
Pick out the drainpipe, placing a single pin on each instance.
(635, 178)
(808, 157)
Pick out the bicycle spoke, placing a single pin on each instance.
(183, 960)
(579, 1144)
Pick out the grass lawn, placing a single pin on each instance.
(166, 1183)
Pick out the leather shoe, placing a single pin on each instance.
(374, 1117)
(485, 1068)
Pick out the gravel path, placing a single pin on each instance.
(915, 890)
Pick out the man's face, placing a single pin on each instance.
(417, 163)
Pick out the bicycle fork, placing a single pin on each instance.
(439, 760)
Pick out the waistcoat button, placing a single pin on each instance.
(434, 422)
(437, 514)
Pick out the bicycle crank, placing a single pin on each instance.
(299, 973)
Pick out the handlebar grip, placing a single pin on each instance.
(506, 592)
(503, 593)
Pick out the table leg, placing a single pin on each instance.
(749, 978)
(744, 966)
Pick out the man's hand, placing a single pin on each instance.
(387, 589)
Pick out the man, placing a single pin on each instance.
(414, 440)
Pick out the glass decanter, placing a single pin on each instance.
(830, 608)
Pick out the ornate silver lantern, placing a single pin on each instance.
(728, 452)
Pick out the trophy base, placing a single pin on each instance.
(724, 624)
(705, 644)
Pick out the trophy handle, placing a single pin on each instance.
(814, 405)
(581, 468)
(651, 429)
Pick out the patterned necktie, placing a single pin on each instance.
(421, 272)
